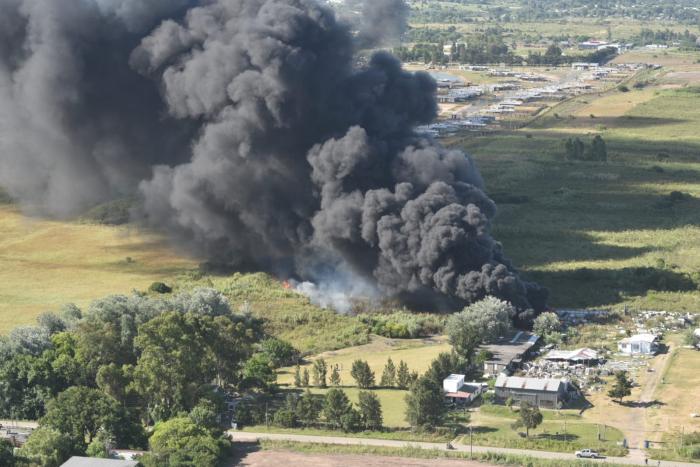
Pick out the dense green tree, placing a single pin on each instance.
(320, 370)
(297, 376)
(444, 365)
(599, 150)
(335, 376)
(259, 372)
(370, 410)
(81, 412)
(47, 447)
(481, 322)
(206, 414)
(622, 386)
(403, 376)
(7, 457)
(281, 353)
(351, 421)
(529, 417)
(546, 324)
(335, 406)
(308, 408)
(172, 365)
(181, 442)
(425, 406)
(388, 375)
(362, 374)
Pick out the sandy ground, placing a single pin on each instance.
(278, 458)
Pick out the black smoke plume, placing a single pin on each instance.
(252, 138)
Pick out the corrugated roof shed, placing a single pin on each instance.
(533, 384)
(77, 461)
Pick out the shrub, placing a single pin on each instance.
(281, 353)
(160, 287)
(285, 418)
(623, 88)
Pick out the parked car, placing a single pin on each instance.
(588, 453)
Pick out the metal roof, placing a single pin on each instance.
(77, 461)
(640, 338)
(533, 384)
(572, 355)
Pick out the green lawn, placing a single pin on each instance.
(417, 353)
(562, 431)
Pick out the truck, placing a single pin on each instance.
(588, 453)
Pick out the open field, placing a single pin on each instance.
(585, 228)
(45, 264)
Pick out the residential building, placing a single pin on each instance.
(459, 392)
(77, 461)
(542, 392)
(639, 344)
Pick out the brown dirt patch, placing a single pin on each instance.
(276, 458)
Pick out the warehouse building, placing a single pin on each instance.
(541, 392)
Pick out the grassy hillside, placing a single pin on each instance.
(45, 264)
(606, 233)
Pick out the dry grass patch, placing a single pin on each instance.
(45, 264)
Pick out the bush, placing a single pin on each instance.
(285, 418)
(623, 88)
(281, 353)
(160, 287)
(403, 324)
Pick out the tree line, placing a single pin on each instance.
(137, 371)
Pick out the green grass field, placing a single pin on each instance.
(45, 264)
(417, 353)
(563, 431)
(582, 228)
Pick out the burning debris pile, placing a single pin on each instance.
(252, 139)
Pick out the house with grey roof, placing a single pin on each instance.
(541, 392)
(78, 461)
(639, 344)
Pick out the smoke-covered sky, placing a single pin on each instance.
(251, 137)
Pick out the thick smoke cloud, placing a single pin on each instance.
(300, 163)
(380, 22)
(77, 125)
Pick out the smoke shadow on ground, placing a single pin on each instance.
(625, 122)
(600, 287)
(583, 247)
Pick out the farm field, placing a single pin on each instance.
(605, 234)
(45, 264)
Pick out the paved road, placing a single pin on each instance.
(242, 436)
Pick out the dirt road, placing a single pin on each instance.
(247, 437)
(276, 458)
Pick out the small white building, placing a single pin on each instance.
(639, 344)
(453, 383)
(459, 392)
